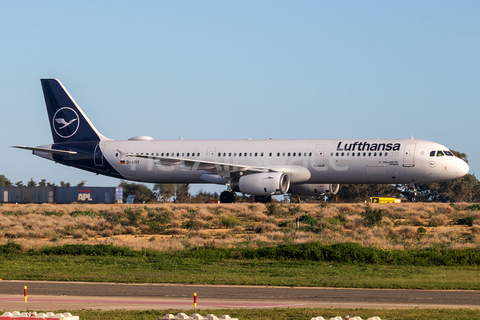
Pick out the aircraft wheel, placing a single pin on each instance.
(262, 199)
(228, 197)
(414, 199)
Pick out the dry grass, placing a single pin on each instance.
(178, 226)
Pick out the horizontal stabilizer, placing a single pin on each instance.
(52, 151)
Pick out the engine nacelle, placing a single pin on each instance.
(314, 189)
(260, 184)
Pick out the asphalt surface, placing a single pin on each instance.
(236, 295)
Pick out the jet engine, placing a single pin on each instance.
(259, 184)
(314, 189)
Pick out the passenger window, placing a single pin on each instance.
(198, 154)
(353, 154)
(310, 154)
(294, 154)
(255, 154)
(283, 154)
(342, 154)
(270, 154)
(245, 154)
(336, 154)
(250, 154)
(240, 154)
(234, 154)
(432, 153)
(219, 154)
(224, 154)
(289, 154)
(369, 154)
(374, 154)
(278, 154)
(229, 154)
(261, 154)
(348, 154)
(331, 154)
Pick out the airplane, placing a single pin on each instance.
(261, 168)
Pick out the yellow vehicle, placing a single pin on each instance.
(384, 200)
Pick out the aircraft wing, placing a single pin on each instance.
(219, 167)
(46, 150)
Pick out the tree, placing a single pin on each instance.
(42, 183)
(163, 191)
(19, 184)
(64, 184)
(141, 192)
(81, 184)
(4, 182)
(181, 193)
(31, 183)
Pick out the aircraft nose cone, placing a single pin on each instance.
(462, 168)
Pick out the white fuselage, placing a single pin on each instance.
(328, 161)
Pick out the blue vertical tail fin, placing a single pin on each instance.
(67, 121)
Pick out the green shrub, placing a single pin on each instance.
(81, 213)
(10, 247)
(468, 221)
(192, 224)
(133, 216)
(473, 207)
(372, 217)
(53, 213)
(308, 219)
(273, 209)
(293, 210)
(229, 221)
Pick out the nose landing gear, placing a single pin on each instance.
(413, 189)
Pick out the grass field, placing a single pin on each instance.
(179, 226)
(236, 272)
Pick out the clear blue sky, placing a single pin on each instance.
(240, 69)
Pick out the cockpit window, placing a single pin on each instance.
(440, 153)
(448, 153)
(432, 153)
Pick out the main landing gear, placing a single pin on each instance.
(262, 199)
(413, 190)
(228, 197)
(231, 197)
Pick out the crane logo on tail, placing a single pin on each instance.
(65, 122)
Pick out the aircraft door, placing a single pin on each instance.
(211, 154)
(319, 158)
(98, 155)
(408, 155)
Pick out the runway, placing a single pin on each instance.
(43, 295)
